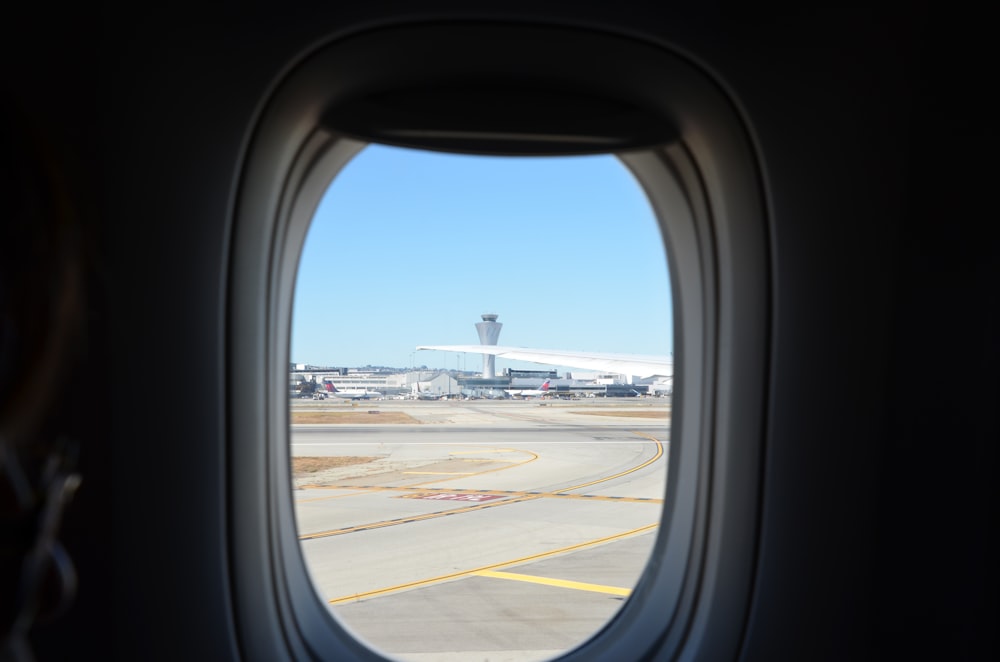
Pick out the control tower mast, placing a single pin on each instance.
(489, 333)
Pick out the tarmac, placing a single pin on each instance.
(488, 530)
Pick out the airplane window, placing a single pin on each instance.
(452, 504)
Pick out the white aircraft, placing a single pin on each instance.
(530, 392)
(351, 393)
(631, 365)
(426, 395)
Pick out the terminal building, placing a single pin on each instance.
(441, 384)
(386, 382)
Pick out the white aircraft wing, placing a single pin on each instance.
(638, 365)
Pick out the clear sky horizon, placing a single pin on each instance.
(410, 248)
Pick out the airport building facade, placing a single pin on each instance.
(423, 383)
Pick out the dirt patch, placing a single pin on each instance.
(302, 466)
(353, 417)
(642, 413)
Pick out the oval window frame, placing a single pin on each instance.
(694, 157)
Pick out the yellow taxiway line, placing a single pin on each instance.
(562, 583)
(494, 566)
(519, 496)
(441, 473)
(412, 518)
(534, 456)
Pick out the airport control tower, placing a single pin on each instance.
(489, 332)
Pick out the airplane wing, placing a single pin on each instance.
(638, 365)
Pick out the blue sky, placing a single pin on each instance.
(410, 247)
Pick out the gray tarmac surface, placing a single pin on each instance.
(489, 530)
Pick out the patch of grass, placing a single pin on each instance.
(352, 417)
(311, 465)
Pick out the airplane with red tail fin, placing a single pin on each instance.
(530, 392)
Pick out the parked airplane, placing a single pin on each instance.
(350, 393)
(834, 257)
(529, 392)
(426, 395)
